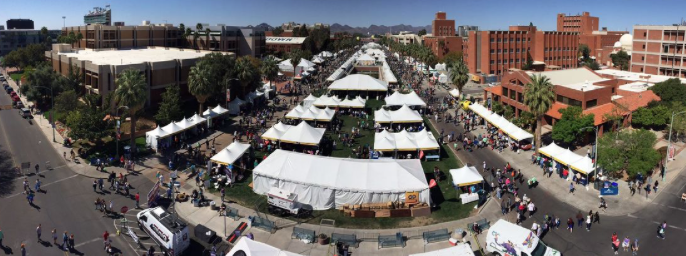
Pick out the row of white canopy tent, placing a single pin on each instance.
(302, 134)
(403, 115)
(388, 75)
(409, 99)
(230, 154)
(359, 82)
(501, 123)
(465, 176)
(171, 129)
(328, 182)
(566, 157)
(249, 247)
(405, 141)
(287, 66)
(334, 101)
(312, 113)
(342, 70)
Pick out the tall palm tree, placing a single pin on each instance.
(79, 37)
(459, 73)
(539, 97)
(132, 92)
(186, 34)
(244, 72)
(270, 69)
(199, 83)
(198, 27)
(207, 38)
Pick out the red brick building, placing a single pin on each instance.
(441, 26)
(496, 52)
(594, 93)
(659, 50)
(600, 42)
(284, 44)
(583, 24)
(442, 39)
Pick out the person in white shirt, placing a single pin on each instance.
(534, 227)
(531, 209)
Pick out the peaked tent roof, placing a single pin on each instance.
(304, 134)
(551, 150)
(229, 154)
(365, 57)
(326, 101)
(197, 119)
(465, 176)
(306, 63)
(172, 128)
(255, 248)
(403, 140)
(310, 98)
(359, 82)
(403, 115)
(399, 99)
(357, 102)
(185, 124)
(455, 92)
(296, 112)
(276, 131)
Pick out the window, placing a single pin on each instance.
(492, 62)
(492, 51)
(505, 51)
(643, 58)
(500, 40)
(500, 51)
(643, 46)
(504, 90)
(505, 62)
(520, 97)
(645, 34)
(500, 61)
(591, 103)
(511, 61)
(513, 94)
(492, 40)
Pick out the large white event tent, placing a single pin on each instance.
(197, 119)
(249, 247)
(311, 113)
(403, 115)
(302, 133)
(566, 157)
(405, 141)
(359, 82)
(461, 249)
(171, 129)
(465, 176)
(317, 60)
(496, 120)
(229, 154)
(357, 102)
(151, 137)
(409, 99)
(388, 75)
(328, 182)
(214, 112)
(454, 92)
(303, 66)
(286, 66)
(326, 101)
(365, 60)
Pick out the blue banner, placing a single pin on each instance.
(609, 191)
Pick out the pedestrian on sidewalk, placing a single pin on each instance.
(588, 222)
(2, 235)
(23, 249)
(596, 217)
(95, 185)
(579, 218)
(531, 207)
(138, 199)
(54, 236)
(570, 225)
(647, 189)
(655, 186)
(38, 233)
(571, 187)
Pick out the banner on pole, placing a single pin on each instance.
(228, 95)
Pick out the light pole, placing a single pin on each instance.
(595, 153)
(52, 110)
(118, 123)
(669, 143)
(64, 21)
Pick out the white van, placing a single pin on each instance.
(170, 233)
(505, 238)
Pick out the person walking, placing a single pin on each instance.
(532, 208)
(95, 185)
(37, 186)
(38, 233)
(138, 199)
(65, 241)
(625, 243)
(660, 232)
(37, 168)
(54, 236)
(71, 242)
(571, 188)
(105, 235)
(596, 217)
(111, 206)
(570, 225)
(634, 247)
(588, 222)
(23, 249)
(2, 235)
(655, 186)
(579, 219)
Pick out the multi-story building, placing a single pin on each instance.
(99, 15)
(13, 39)
(583, 23)
(442, 39)
(20, 24)
(124, 37)
(406, 37)
(240, 41)
(463, 31)
(441, 26)
(594, 93)
(284, 44)
(659, 50)
(496, 52)
(162, 67)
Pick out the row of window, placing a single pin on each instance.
(558, 58)
(549, 49)
(500, 40)
(517, 50)
(512, 61)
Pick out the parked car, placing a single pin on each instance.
(25, 113)
(15, 98)
(9, 89)
(13, 93)
(19, 105)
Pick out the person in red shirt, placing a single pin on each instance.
(105, 235)
(138, 198)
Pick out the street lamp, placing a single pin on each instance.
(118, 123)
(52, 110)
(225, 88)
(669, 143)
(595, 152)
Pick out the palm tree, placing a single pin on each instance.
(539, 98)
(199, 83)
(79, 37)
(295, 57)
(459, 74)
(198, 27)
(270, 69)
(244, 72)
(207, 38)
(132, 92)
(186, 34)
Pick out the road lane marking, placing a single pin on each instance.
(87, 242)
(45, 185)
(656, 222)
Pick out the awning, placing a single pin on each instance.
(230, 154)
(465, 176)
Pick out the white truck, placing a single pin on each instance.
(170, 233)
(282, 202)
(507, 239)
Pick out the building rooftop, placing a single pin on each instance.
(135, 56)
(285, 40)
(635, 76)
(580, 79)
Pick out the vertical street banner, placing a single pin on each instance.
(153, 194)
(228, 95)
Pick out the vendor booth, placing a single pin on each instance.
(357, 102)
(151, 137)
(400, 99)
(405, 141)
(562, 158)
(359, 83)
(328, 182)
(235, 106)
(326, 101)
(403, 115)
(230, 154)
(311, 114)
(302, 134)
(467, 178)
(516, 133)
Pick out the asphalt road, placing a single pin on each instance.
(641, 224)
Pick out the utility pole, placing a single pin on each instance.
(64, 21)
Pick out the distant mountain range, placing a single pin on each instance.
(372, 30)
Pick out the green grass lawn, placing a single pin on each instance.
(374, 104)
(366, 137)
(17, 76)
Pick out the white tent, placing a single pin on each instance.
(171, 129)
(359, 82)
(551, 150)
(503, 124)
(404, 141)
(461, 249)
(443, 78)
(235, 106)
(403, 115)
(465, 176)
(249, 247)
(388, 75)
(357, 102)
(409, 99)
(328, 182)
(365, 60)
(286, 66)
(152, 136)
(311, 113)
(317, 59)
(326, 54)
(583, 165)
(229, 154)
(455, 93)
(254, 95)
(197, 119)
(303, 134)
(296, 112)
(185, 124)
(326, 101)
(303, 66)
(276, 131)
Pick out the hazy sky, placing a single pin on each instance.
(488, 14)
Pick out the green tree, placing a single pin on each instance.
(670, 90)
(529, 62)
(87, 124)
(200, 83)
(539, 97)
(452, 57)
(198, 28)
(584, 52)
(421, 32)
(629, 150)
(656, 114)
(497, 108)
(508, 113)
(277, 31)
(459, 74)
(45, 77)
(71, 81)
(245, 73)
(620, 60)
(525, 120)
(132, 92)
(67, 101)
(270, 69)
(569, 128)
(207, 38)
(170, 108)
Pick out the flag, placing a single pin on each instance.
(421, 154)
(432, 183)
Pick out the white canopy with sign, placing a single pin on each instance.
(465, 176)
(229, 154)
(328, 182)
